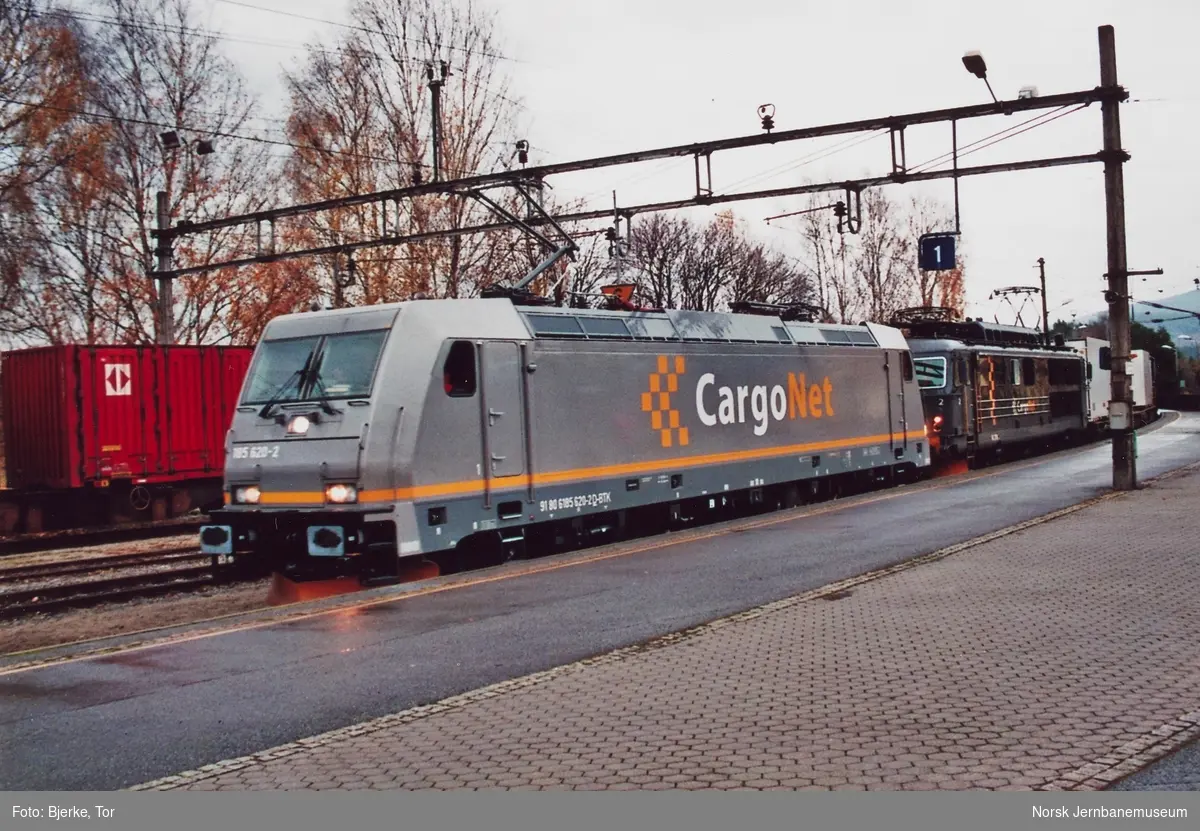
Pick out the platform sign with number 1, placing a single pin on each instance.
(935, 252)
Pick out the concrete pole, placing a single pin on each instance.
(1120, 337)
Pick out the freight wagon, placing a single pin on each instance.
(97, 435)
(1146, 374)
(1099, 377)
(1141, 378)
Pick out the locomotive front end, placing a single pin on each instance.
(302, 497)
(938, 395)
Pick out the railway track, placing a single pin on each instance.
(176, 569)
(41, 587)
(25, 602)
(79, 537)
(92, 565)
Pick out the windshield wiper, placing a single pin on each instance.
(323, 394)
(265, 412)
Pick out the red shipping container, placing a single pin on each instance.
(85, 415)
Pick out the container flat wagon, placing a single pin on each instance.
(101, 434)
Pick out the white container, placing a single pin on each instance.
(1099, 381)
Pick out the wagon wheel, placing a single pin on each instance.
(139, 498)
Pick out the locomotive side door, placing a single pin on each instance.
(889, 386)
(896, 368)
(964, 374)
(501, 410)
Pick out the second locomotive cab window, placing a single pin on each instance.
(459, 371)
(1028, 376)
(347, 367)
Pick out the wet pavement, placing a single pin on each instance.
(1039, 660)
(116, 720)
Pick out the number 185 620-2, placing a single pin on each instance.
(256, 451)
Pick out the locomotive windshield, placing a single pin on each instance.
(315, 368)
(931, 373)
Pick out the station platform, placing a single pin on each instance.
(1058, 653)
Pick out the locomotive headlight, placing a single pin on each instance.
(341, 494)
(937, 421)
(299, 425)
(248, 495)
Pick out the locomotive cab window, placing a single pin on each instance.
(347, 365)
(931, 372)
(318, 367)
(276, 370)
(1028, 375)
(458, 372)
(906, 360)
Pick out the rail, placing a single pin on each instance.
(38, 587)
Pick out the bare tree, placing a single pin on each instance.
(41, 88)
(658, 244)
(872, 274)
(679, 265)
(766, 276)
(935, 288)
(361, 111)
(883, 257)
(710, 263)
(155, 67)
(148, 69)
(838, 286)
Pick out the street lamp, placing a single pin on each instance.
(171, 142)
(975, 64)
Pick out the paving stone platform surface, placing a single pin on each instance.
(1059, 656)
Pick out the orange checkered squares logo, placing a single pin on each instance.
(657, 401)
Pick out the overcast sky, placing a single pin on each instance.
(607, 77)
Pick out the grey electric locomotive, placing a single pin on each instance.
(429, 428)
(987, 387)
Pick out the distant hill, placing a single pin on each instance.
(1146, 315)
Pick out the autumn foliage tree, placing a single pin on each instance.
(145, 68)
(873, 274)
(361, 120)
(42, 85)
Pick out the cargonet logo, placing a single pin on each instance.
(657, 401)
